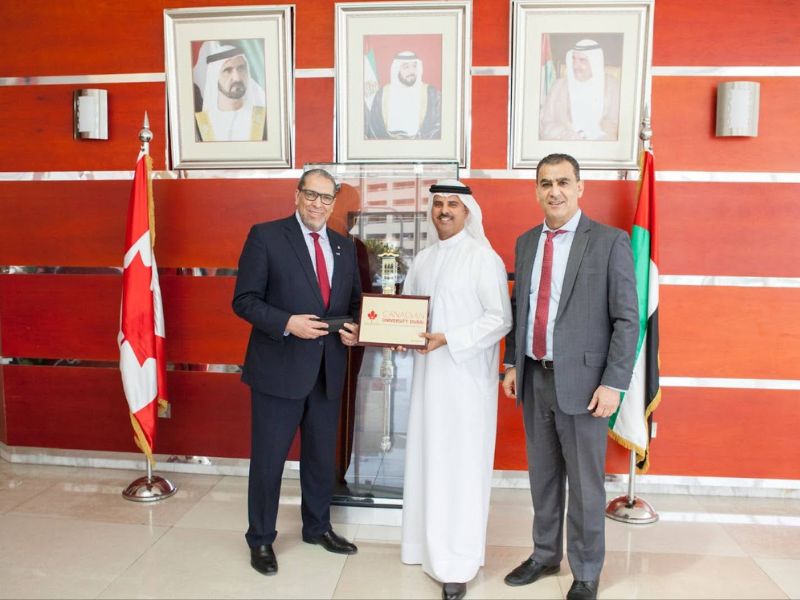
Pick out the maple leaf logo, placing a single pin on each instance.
(372, 315)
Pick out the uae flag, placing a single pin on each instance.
(141, 335)
(630, 425)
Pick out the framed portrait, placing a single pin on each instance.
(402, 85)
(230, 86)
(580, 80)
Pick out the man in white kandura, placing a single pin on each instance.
(453, 417)
(234, 105)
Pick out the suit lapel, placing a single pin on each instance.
(523, 282)
(574, 261)
(295, 237)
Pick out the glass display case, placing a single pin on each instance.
(383, 208)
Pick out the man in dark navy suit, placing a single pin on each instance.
(293, 272)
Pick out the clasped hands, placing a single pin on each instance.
(603, 403)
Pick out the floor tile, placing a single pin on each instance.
(201, 563)
(784, 572)
(98, 497)
(767, 541)
(660, 575)
(377, 572)
(679, 538)
(45, 557)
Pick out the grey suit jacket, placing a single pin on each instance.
(597, 323)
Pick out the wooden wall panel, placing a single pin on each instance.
(725, 33)
(490, 34)
(727, 433)
(730, 332)
(723, 229)
(84, 408)
(510, 208)
(489, 143)
(41, 136)
(314, 120)
(77, 316)
(199, 222)
(204, 222)
(684, 121)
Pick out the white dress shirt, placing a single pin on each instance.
(561, 246)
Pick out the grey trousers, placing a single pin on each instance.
(563, 448)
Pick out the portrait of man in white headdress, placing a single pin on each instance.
(583, 104)
(230, 104)
(407, 107)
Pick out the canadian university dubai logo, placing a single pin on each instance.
(372, 315)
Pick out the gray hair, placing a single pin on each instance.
(322, 173)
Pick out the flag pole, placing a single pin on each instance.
(629, 508)
(150, 488)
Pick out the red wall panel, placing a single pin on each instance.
(730, 332)
(314, 120)
(199, 222)
(726, 433)
(725, 33)
(684, 121)
(723, 229)
(510, 208)
(42, 132)
(490, 21)
(488, 149)
(84, 408)
(77, 316)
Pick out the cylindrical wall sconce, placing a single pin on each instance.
(737, 108)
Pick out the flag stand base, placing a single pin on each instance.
(629, 508)
(636, 512)
(149, 489)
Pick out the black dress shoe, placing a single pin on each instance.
(333, 543)
(454, 591)
(582, 590)
(529, 571)
(263, 560)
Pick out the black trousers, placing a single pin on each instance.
(274, 423)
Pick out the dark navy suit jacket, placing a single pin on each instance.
(277, 280)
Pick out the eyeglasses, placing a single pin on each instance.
(311, 196)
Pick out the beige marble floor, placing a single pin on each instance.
(67, 533)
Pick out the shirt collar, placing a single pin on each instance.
(571, 225)
(323, 233)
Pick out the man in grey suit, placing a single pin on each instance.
(569, 355)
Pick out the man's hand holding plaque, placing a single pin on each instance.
(393, 321)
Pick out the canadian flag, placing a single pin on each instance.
(141, 336)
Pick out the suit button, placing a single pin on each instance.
(320, 342)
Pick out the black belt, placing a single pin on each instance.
(544, 363)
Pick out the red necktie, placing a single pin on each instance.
(322, 271)
(543, 298)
